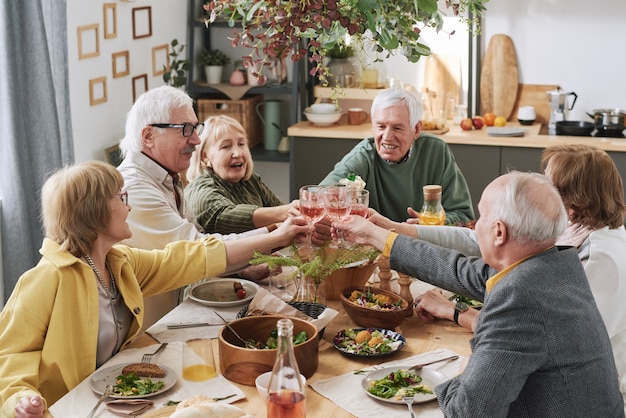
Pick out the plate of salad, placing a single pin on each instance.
(130, 385)
(391, 384)
(472, 303)
(368, 342)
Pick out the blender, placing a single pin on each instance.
(558, 107)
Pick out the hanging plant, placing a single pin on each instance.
(309, 29)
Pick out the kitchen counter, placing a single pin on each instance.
(316, 149)
(532, 139)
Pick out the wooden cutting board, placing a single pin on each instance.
(499, 77)
(442, 74)
(534, 95)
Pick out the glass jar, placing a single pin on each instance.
(432, 211)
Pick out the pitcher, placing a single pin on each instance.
(271, 120)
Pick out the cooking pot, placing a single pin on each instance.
(574, 127)
(608, 119)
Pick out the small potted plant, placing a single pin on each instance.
(342, 70)
(214, 61)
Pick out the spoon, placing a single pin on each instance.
(408, 400)
(245, 342)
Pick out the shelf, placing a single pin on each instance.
(203, 87)
(259, 153)
(352, 93)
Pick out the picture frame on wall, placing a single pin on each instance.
(97, 91)
(121, 65)
(109, 10)
(140, 85)
(160, 59)
(142, 22)
(88, 41)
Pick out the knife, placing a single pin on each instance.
(419, 366)
(191, 325)
(105, 394)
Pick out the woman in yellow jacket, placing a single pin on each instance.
(83, 302)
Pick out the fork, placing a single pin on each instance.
(107, 392)
(147, 358)
(408, 400)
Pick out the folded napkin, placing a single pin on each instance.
(266, 303)
(346, 391)
(80, 400)
(129, 408)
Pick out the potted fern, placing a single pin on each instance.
(214, 61)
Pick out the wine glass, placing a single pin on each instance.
(311, 207)
(338, 203)
(360, 202)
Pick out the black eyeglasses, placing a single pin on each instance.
(188, 128)
(123, 197)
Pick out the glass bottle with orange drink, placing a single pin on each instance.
(432, 211)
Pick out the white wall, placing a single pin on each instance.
(98, 127)
(576, 44)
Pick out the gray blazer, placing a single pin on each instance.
(540, 348)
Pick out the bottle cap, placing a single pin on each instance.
(432, 191)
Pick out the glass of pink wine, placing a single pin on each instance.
(338, 202)
(360, 202)
(311, 206)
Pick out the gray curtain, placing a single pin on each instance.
(35, 126)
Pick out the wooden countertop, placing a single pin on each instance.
(532, 139)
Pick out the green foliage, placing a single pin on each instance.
(309, 29)
(321, 263)
(213, 57)
(176, 75)
(340, 50)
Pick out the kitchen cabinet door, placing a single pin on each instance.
(520, 159)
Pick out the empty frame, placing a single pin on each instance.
(142, 22)
(110, 20)
(160, 59)
(88, 44)
(121, 66)
(97, 91)
(140, 85)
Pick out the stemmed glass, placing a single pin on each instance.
(311, 207)
(338, 203)
(360, 202)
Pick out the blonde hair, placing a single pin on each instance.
(75, 204)
(589, 183)
(214, 128)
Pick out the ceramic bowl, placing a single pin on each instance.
(322, 108)
(243, 365)
(263, 381)
(323, 119)
(374, 318)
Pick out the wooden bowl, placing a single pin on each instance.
(347, 277)
(243, 365)
(372, 318)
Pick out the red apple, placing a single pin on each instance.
(466, 124)
(478, 122)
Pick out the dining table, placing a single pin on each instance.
(333, 390)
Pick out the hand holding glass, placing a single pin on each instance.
(311, 206)
(338, 203)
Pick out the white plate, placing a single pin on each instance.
(108, 375)
(505, 131)
(431, 378)
(220, 292)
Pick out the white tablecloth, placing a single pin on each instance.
(81, 399)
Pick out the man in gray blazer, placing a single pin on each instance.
(540, 348)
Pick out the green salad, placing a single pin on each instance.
(272, 340)
(472, 303)
(366, 342)
(398, 384)
(133, 385)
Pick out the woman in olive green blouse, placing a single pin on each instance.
(224, 193)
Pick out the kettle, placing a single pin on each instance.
(558, 107)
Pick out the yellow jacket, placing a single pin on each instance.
(49, 325)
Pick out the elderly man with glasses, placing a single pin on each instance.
(161, 135)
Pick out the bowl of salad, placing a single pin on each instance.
(368, 342)
(243, 365)
(374, 307)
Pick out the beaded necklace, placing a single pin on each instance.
(113, 290)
